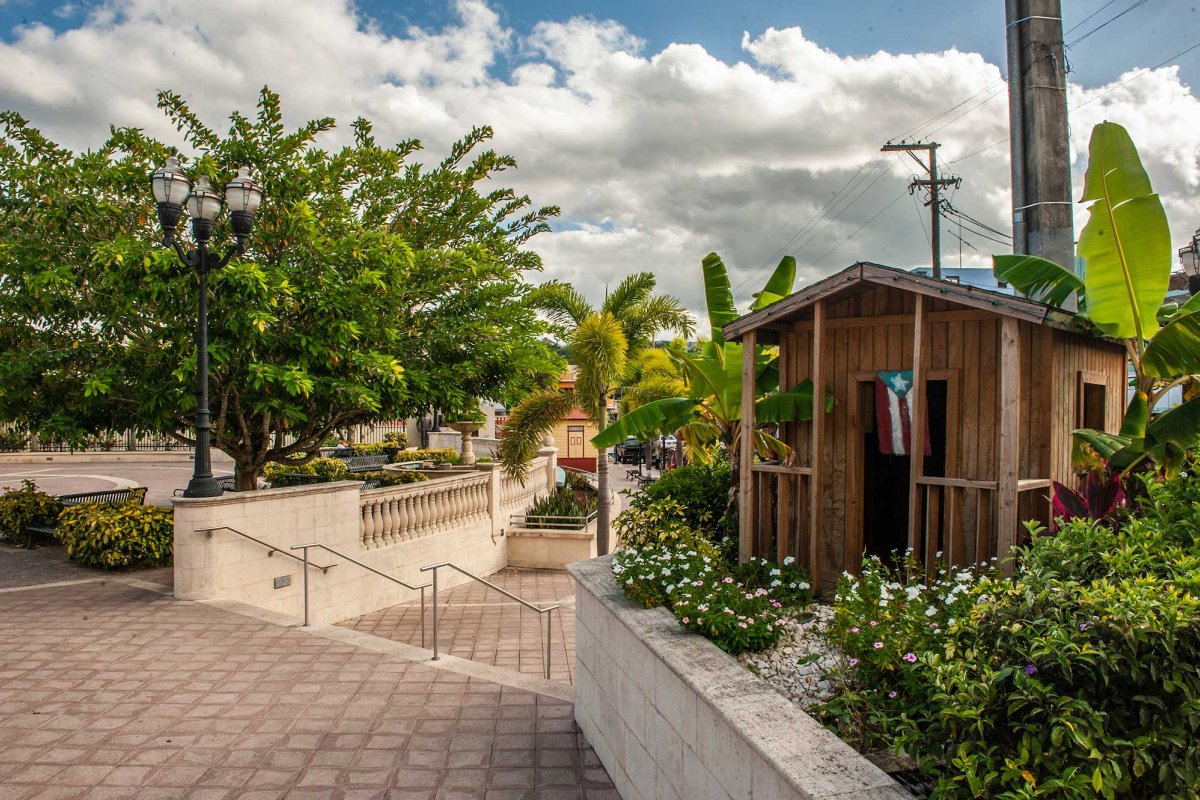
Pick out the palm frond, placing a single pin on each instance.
(661, 312)
(562, 304)
(633, 290)
(531, 420)
(598, 349)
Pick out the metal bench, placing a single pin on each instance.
(137, 496)
(363, 463)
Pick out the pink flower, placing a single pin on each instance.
(741, 625)
(729, 580)
(910, 658)
(892, 694)
(878, 645)
(872, 623)
(854, 662)
(685, 620)
(854, 630)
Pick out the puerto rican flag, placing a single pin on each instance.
(893, 417)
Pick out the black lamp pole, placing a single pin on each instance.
(171, 190)
(1189, 259)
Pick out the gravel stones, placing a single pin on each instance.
(798, 664)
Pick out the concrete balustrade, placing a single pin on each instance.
(459, 517)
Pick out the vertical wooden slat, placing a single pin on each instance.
(746, 450)
(783, 517)
(916, 405)
(1009, 445)
(933, 516)
(816, 485)
(952, 532)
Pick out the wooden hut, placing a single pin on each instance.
(999, 382)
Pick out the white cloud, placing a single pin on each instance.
(656, 157)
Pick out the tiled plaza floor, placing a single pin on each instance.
(479, 624)
(113, 691)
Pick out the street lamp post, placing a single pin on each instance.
(172, 192)
(1189, 259)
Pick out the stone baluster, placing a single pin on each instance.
(364, 527)
(402, 518)
(377, 529)
(422, 514)
(389, 528)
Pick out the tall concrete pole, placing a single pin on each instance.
(1041, 160)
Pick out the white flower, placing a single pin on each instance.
(929, 612)
(788, 560)
(775, 572)
(776, 582)
(912, 592)
(883, 603)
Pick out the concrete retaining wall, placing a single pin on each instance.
(672, 717)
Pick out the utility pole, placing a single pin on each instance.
(1043, 223)
(935, 185)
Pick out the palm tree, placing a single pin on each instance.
(600, 342)
(706, 409)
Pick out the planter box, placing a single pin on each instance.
(671, 716)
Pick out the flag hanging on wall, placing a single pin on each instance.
(893, 415)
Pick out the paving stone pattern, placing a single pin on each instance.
(479, 624)
(111, 691)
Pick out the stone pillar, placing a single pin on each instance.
(551, 453)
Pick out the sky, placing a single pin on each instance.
(664, 130)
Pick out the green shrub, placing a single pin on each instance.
(485, 460)
(701, 593)
(445, 455)
(396, 439)
(702, 491)
(390, 477)
(332, 469)
(114, 535)
(1079, 677)
(887, 624)
(662, 522)
(12, 441)
(24, 507)
(563, 503)
(788, 581)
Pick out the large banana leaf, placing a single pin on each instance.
(718, 295)
(794, 405)
(1126, 244)
(1175, 349)
(1037, 278)
(644, 422)
(779, 286)
(1179, 425)
(1106, 445)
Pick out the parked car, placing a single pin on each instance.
(630, 451)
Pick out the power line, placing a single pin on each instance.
(859, 228)
(1111, 20)
(1089, 16)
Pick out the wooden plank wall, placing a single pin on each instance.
(1074, 354)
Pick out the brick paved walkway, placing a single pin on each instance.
(482, 625)
(113, 691)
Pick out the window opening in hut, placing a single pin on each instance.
(886, 477)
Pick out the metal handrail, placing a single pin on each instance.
(435, 567)
(271, 549)
(368, 568)
(549, 521)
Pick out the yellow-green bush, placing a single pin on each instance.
(446, 455)
(391, 477)
(24, 507)
(333, 469)
(115, 535)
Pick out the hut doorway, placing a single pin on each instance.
(885, 478)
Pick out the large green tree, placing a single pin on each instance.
(601, 342)
(372, 287)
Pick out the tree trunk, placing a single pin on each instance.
(603, 504)
(247, 474)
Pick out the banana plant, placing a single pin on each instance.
(1126, 248)
(707, 415)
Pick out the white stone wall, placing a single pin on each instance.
(213, 563)
(673, 718)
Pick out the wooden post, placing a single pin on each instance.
(916, 447)
(1009, 446)
(746, 516)
(817, 443)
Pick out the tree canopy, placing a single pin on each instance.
(372, 287)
